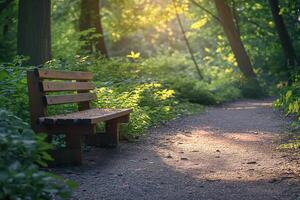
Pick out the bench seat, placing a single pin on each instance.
(91, 116)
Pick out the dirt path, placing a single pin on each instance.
(227, 153)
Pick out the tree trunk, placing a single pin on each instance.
(284, 37)
(90, 18)
(234, 38)
(34, 37)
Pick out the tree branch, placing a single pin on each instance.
(206, 10)
(187, 41)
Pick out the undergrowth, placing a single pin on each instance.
(289, 102)
(158, 89)
(22, 152)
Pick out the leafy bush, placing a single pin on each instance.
(158, 88)
(136, 83)
(289, 99)
(13, 87)
(289, 102)
(251, 88)
(21, 151)
(151, 103)
(225, 89)
(165, 66)
(194, 91)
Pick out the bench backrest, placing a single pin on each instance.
(42, 82)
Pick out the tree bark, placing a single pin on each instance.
(234, 38)
(34, 37)
(90, 18)
(283, 34)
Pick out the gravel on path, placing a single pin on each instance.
(227, 153)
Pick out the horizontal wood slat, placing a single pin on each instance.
(91, 116)
(70, 98)
(64, 75)
(67, 86)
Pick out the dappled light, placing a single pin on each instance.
(251, 106)
(205, 160)
(149, 99)
(224, 155)
(194, 158)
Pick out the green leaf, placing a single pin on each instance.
(288, 95)
(3, 74)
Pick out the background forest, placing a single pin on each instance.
(162, 58)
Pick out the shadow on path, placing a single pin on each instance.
(226, 153)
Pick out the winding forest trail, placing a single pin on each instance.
(226, 153)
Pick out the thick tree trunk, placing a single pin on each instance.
(284, 37)
(90, 18)
(34, 37)
(234, 38)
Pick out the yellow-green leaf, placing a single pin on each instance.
(199, 24)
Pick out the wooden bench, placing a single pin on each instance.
(78, 125)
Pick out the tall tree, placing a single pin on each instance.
(227, 21)
(283, 34)
(34, 38)
(90, 18)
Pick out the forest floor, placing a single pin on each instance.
(226, 153)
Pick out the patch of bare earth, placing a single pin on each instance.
(225, 153)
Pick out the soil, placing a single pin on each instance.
(226, 153)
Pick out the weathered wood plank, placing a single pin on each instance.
(84, 105)
(106, 117)
(86, 117)
(64, 75)
(36, 105)
(70, 98)
(67, 86)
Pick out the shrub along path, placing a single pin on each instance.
(225, 153)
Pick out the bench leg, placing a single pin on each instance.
(72, 154)
(74, 147)
(111, 136)
(112, 131)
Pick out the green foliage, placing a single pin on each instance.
(289, 102)
(158, 89)
(289, 99)
(136, 82)
(21, 151)
(292, 144)
(152, 104)
(167, 65)
(201, 92)
(8, 30)
(64, 34)
(251, 88)
(13, 87)
(194, 91)
(225, 89)
(159, 84)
